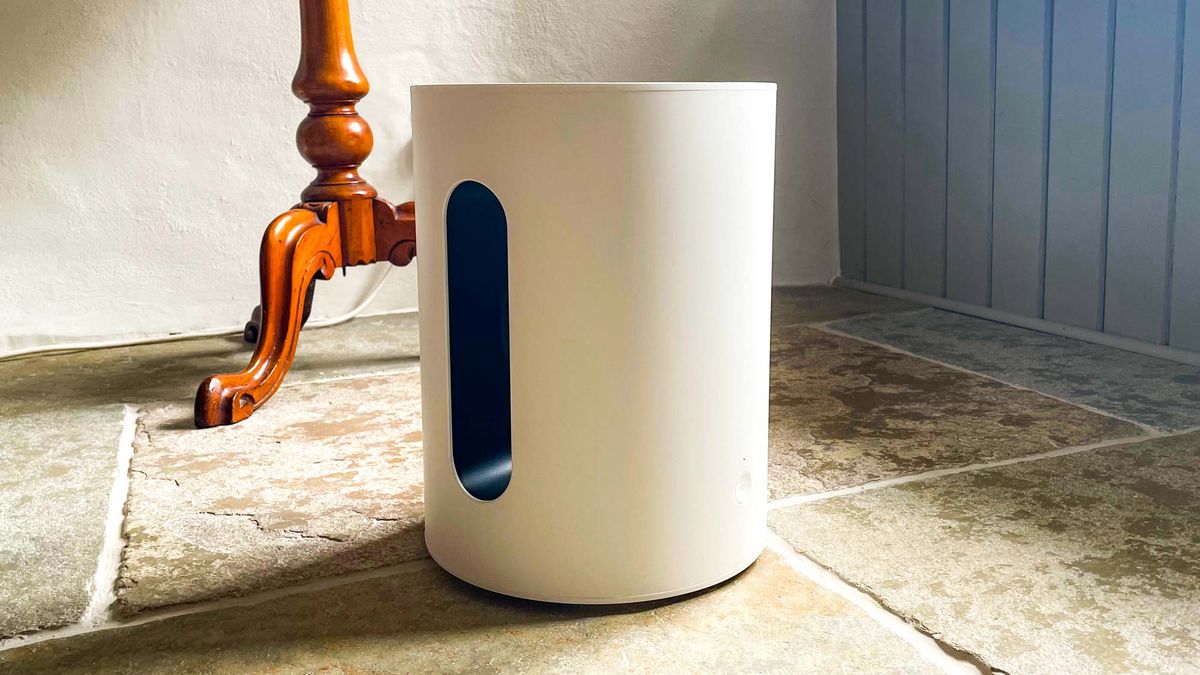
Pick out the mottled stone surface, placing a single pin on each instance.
(1083, 563)
(173, 370)
(56, 474)
(60, 422)
(324, 480)
(1155, 392)
(791, 305)
(768, 620)
(844, 413)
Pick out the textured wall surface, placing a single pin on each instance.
(145, 144)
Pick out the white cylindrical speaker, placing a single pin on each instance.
(594, 269)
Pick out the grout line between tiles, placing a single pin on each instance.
(825, 327)
(152, 616)
(102, 588)
(926, 646)
(795, 500)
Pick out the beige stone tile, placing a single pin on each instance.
(60, 421)
(326, 479)
(845, 413)
(1148, 390)
(792, 305)
(56, 475)
(769, 620)
(1086, 563)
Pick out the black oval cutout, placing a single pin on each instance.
(477, 293)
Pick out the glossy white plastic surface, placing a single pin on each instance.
(639, 267)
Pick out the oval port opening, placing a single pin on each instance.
(477, 294)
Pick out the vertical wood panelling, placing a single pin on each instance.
(1185, 288)
(925, 146)
(1078, 169)
(1017, 195)
(1041, 157)
(851, 127)
(969, 134)
(1144, 70)
(885, 141)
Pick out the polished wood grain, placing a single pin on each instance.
(298, 246)
(341, 221)
(395, 232)
(334, 138)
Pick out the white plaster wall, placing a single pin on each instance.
(144, 144)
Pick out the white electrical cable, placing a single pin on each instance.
(213, 332)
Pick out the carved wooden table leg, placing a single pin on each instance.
(253, 327)
(297, 246)
(340, 223)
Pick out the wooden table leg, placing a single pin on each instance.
(341, 222)
(253, 327)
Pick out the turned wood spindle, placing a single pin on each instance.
(334, 138)
(340, 222)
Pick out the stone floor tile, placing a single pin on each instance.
(1088, 562)
(324, 480)
(60, 422)
(173, 370)
(1155, 392)
(844, 413)
(791, 305)
(768, 620)
(56, 475)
